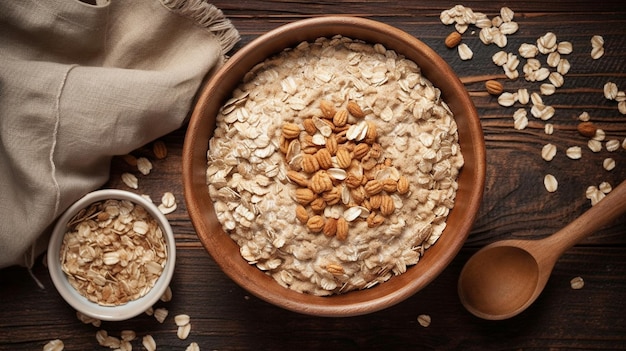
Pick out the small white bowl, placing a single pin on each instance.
(82, 304)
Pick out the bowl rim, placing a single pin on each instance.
(81, 303)
(343, 304)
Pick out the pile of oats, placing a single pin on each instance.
(113, 252)
(255, 189)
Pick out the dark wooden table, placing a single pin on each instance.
(515, 205)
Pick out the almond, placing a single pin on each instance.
(309, 126)
(494, 87)
(328, 109)
(301, 214)
(587, 129)
(342, 229)
(291, 130)
(315, 224)
(355, 109)
(310, 164)
(324, 159)
(159, 149)
(453, 39)
(330, 227)
(340, 118)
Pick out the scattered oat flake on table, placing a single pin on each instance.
(144, 165)
(183, 331)
(424, 320)
(160, 314)
(465, 53)
(130, 180)
(54, 345)
(550, 182)
(574, 152)
(149, 343)
(577, 283)
(193, 347)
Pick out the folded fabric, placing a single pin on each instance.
(80, 83)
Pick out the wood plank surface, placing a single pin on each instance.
(515, 205)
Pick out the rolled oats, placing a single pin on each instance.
(528, 50)
(550, 183)
(594, 145)
(608, 164)
(547, 43)
(130, 180)
(563, 67)
(465, 53)
(160, 314)
(564, 48)
(577, 283)
(574, 152)
(610, 90)
(548, 152)
(116, 258)
(183, 331)
(424, 320)
(54, 345)
(507, 99)
(612, 145)
(144, 165)
(149, 343)
(369, 159)
(547, 89)
(548, 129)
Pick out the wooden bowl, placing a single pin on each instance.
(225, 251)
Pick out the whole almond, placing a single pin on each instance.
(343, 158)
(587, 129)
(298, 178)
(324, 159)
(291, 130)
(355, 110)
(373, 187)
(453, 39)
(360, 151)
(304, 196)
(310, 164)
(315, 224)
(340, 118)
(328, 109)
(330, 227)
(159, 149)
(342, 229)
(494, 87)
(301, 214)
(309, 126)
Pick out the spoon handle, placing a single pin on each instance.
(599, 215)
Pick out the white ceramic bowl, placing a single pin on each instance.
(81, 303)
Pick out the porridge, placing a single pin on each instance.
(333, 165)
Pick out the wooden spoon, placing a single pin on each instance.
(502, 279)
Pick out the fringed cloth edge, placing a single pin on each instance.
(208, 16)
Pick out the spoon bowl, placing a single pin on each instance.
(504, 278)
(508, 288)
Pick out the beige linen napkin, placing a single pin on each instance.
(80, 83)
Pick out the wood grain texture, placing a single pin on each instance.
(515, 205)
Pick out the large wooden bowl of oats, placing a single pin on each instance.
(334, 166)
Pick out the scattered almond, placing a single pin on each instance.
(453, 39)
(587, 129)
(159, 149)
(494, 87)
